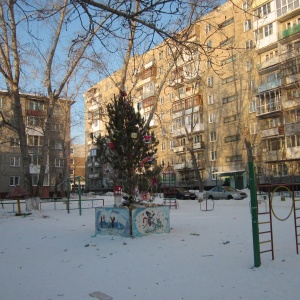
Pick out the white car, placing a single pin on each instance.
(225, 192)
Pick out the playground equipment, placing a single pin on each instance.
(209, 204)
(169, 187)
(265, 222)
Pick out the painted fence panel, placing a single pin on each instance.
(112, 221)
(150, 220)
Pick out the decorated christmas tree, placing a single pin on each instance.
(129, 147)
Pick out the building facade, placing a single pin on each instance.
(58, 161)
(77, 166)
(235, 79)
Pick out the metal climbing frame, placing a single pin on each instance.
(297, 217)
(265, 224)
(169, 187)
(265, 217)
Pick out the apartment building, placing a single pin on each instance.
(34, 112)
(242, 83)
(77, 165)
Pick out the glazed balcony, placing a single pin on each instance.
(289, 32)
(269, 85)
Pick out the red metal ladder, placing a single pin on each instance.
(265, 225)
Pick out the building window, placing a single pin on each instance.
(209, 63)
(227, 41)
(213, 174)
(252, 106)
(251, 85)
(59, 162)
(14, 142)
(228, 79)
(58, 145)
(232, 138)
(35, 178)
(72, 150)
(207, 28)
(293, 141)
(57, 127)
(197, 139)
(172, 145)
(226, 23)
(14, 180)
(72, 161)
(35, 140)
(246, 5)
(253, 128)
(160, 55)
(210, 81)
(34, 121)
(209, 46)
(263, 10)
(231, 118)
(162, 100)
(210, 99)
(234, 158)
(264, 31)
(247, 25)
(249, 45)
(212, 136)
(213, 155)
(15, 161)
(229, 99)
(228, 60)
(248, 66)
(34, 159)
(163, 146)
(34, 105)
(212, 118)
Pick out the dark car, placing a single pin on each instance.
(179, 193)
(224, 192)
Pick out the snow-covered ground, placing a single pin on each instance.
(51, 254)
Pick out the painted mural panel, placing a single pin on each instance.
(112, 221)
(148, 220)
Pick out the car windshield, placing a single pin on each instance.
(229, 189)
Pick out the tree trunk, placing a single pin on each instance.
(21, 129)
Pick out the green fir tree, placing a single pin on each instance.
(129, 147)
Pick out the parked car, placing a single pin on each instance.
(224, 192)
(179, 193)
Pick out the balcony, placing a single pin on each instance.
(272, 132)
(269, 85)
(148, 94)
(268, 107)
(191, 76)
(179, 166)
(269, 64)
(179, 149)
(182, 131)
(291, 79)
(35, 113)
(289, 32)
(199, 145)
